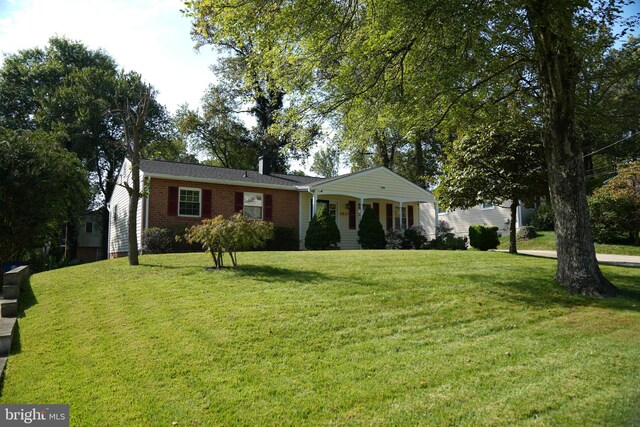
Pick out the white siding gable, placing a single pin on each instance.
(377, 183)
(119, 212)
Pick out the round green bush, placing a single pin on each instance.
(323, 233)
(370, 231)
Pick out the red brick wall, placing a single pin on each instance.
(285, 202)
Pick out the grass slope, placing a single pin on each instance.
(336, 337)
(546, 241)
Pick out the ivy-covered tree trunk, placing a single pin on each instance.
(551, 22)
(512, 226)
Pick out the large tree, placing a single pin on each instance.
(41, 186)
(439, 54)
(280, 133)
(66, 90)
(218, 132)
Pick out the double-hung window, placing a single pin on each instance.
(487, 206)
(190, 202)
(252, 207)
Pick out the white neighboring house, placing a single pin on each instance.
(90, 238)
(119, 213)
(486, 214)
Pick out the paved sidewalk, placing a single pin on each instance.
(622, 260)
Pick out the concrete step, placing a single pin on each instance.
(11, 291)
(7, 328)
(8, 307)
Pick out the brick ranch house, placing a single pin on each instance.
(185, 194)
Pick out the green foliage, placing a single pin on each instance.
(284, 239)
(326, 162)
(483, 238)
(414, 238)
(498, 159)
(526, 232)
(218, 132)
(543, 218)
(445, 239)
(233, 235)
(323, 233)
(42, 186)
(394, 238)
(370, 231)
(158, 241)
(615, 207)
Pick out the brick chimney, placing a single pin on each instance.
(264, 165)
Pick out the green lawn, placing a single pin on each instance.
(335, 337)
(546, 241)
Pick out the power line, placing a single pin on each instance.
(611, 145)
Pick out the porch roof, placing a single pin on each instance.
(374, 183)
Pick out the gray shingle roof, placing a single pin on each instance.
(204, 172)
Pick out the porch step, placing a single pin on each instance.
(7, 327)
(8, 307)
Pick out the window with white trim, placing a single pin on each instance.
(397, 215)
(487, 206)
(252, 207)
(189, 202)
(332, 207)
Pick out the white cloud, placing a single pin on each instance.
(147, 36)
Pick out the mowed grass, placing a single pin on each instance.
(546, 241)
(337, 337)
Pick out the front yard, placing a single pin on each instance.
(337, 337)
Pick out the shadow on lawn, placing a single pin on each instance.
(548, 293)
(27, 299)
(266, 273)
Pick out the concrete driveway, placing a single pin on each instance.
(621, 260)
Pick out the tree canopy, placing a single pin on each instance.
(41, 187)
(424, 63)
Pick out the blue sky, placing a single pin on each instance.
(147, 36)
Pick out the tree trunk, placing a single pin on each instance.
(134, 196)
(551, 22)
(512, 226)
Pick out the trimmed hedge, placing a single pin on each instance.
(370, 231)
(483, 238)
(323, 233)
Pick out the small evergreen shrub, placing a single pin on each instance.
(323, 233)
(158, 241)
(284, 239)
(394, 238)
(483, 238)
(370, 231)
(444, 232)
(453, 243)
(414, 238)
(543, 218)
(527, 232)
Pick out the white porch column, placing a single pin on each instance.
(361, 207)
(401, 218)
(314, 205)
